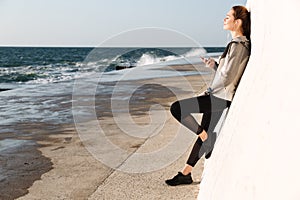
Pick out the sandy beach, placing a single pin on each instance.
(55, 163)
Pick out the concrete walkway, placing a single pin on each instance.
(76, 174)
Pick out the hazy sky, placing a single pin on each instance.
(90, 22)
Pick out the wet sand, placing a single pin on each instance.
(56, 165)
(20, 167)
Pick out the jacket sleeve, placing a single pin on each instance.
(226, 73)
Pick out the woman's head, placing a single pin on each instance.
(238, 19)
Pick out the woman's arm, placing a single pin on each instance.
(229, 66)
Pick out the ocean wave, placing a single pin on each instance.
(50, 65)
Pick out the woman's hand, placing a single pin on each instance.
(209, 62)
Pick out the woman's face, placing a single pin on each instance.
(229, 21)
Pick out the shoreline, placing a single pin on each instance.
(73, 173)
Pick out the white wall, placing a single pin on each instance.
(257, 155)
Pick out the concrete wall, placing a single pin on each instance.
(257, 155)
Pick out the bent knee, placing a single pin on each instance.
(175, 109)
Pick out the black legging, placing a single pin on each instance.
(211, 107)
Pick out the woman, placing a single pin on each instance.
(220, 93)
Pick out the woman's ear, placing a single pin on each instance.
(238, 22)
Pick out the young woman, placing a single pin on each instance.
(220, 93)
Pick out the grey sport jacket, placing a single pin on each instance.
(230, 69)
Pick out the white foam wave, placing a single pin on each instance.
(147, 59)
(195, 52)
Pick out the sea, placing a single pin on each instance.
(36, 83)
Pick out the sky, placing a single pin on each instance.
(92, 22)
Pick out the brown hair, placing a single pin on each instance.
(240, 12)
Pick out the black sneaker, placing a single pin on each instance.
(207, 156)
(180, 179)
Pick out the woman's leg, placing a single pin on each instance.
(194, 155)
(182, 110)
